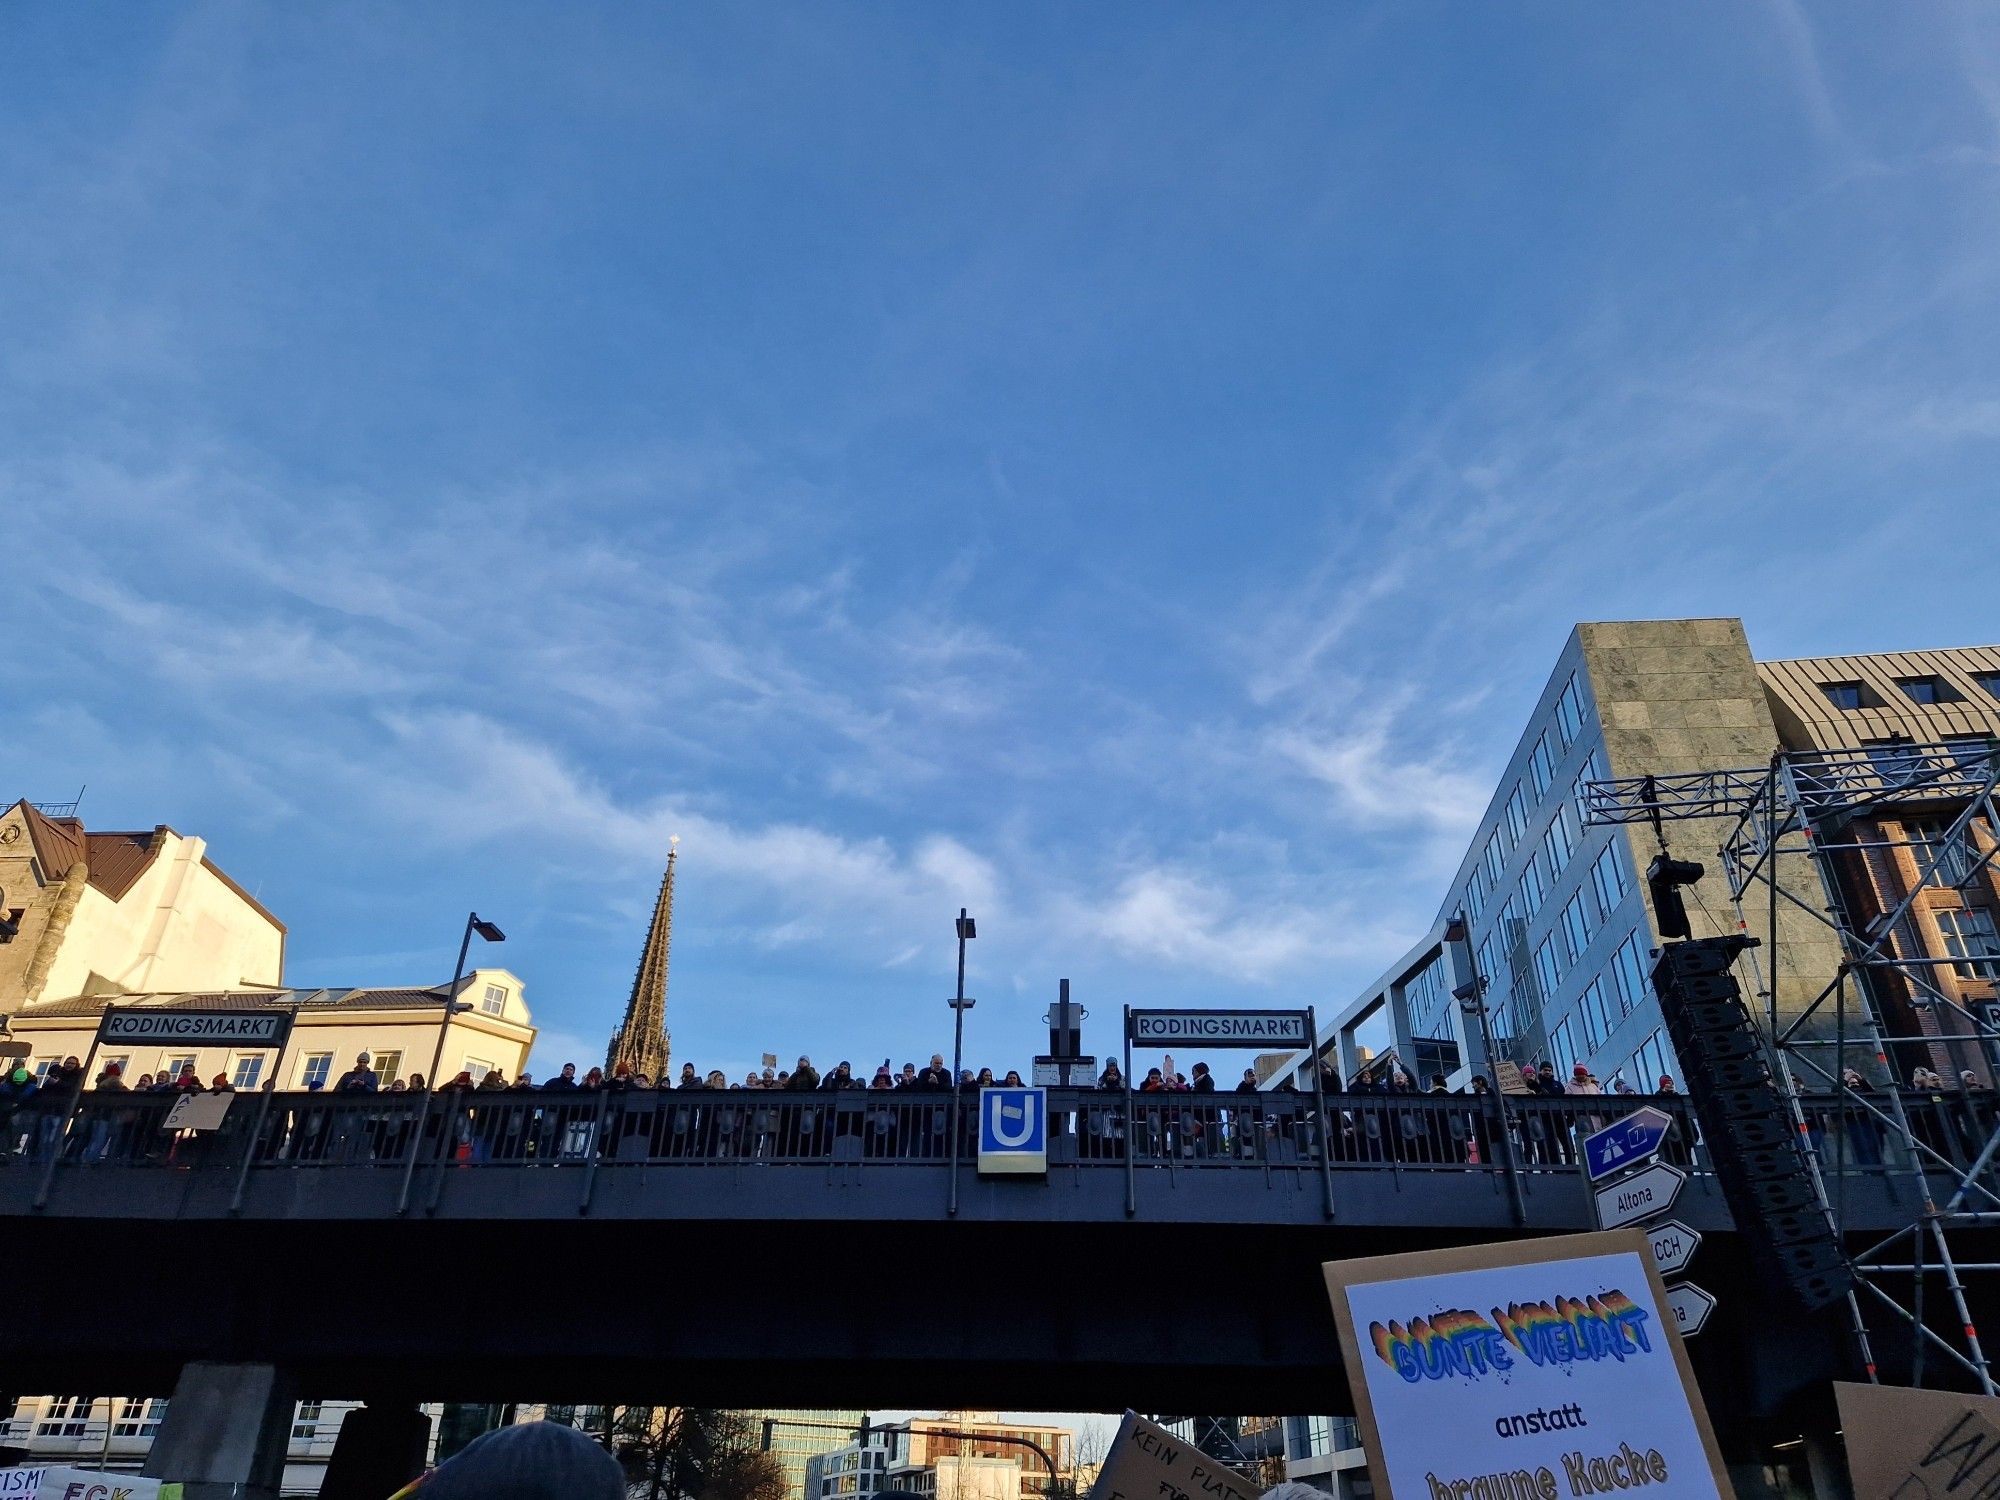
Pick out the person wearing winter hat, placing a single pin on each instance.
(527, 1461)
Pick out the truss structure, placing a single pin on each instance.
(1809, 807)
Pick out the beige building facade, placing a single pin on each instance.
(86, 913)
(399, 1028)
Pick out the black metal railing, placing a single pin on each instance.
(1218, 1132)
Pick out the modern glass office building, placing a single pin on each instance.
(1557, 919)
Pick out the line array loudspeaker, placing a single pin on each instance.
(1745, 1125)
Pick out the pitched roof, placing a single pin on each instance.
(115, 860)
(118, 859)
(59, 842)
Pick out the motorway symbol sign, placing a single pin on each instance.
(1643, 1195)
(1626, 1143)
(1673, 1244)
(1690, 1306)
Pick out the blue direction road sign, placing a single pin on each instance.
(1013, 1130)
(1627, 1143)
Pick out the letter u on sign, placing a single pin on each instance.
(1013, 1131)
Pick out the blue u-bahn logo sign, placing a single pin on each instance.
(1014, 1130)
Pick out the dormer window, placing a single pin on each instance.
(1926, 689)
(495, 999)
(1843, 694)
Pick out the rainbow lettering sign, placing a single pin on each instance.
(1547, 1369)
(1606, 1325)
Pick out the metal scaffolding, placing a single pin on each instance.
(1818, 806)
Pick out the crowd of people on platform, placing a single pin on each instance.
(1284, 1121)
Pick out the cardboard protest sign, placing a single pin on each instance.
(1541, 1370)
(1916, 1445)
(1511, 1081)
(1146, 1462)
(198, 1112)
(57, 1483)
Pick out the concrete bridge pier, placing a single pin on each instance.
(382, 1447)
(226, 1432)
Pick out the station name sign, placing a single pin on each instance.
(1219, 1028)
(235, 1028)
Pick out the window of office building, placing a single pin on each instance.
(314, 1069)
(247, 1071)
(1842, 694)
(1559, 842)
(65, 1416)
(1969, 933)
(1569, 712)
(1593, 770)
(1926, 689)
(1425, 998)
(1891, 758)
(1596, 1016)
(1607, 878)
(306, 1420)
(1948, 860)
(1517, 814)
(1475, 893)
(1531, 886)
(494, 1001)
(1969, 751)
(1495, 859)
(1562, 1048)
(1548, 968)
(1651, 1063)
(1542, 766)
(139, 1417)
(1576, 926)
(1628, 969)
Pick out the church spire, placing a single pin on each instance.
(640, 1042)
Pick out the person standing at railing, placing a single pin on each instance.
(359, 1079)
(1108, 1116)
(1859, 1123)
(111, 1080)
(1243, 1115)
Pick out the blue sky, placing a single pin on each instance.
(1125, 469)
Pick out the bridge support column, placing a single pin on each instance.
(380, 1449)
(225, 1433)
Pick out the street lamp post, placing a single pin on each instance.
(1471, 997)
(452, 1004)
(967, 931)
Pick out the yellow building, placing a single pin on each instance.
(399, 1028)
(95, 913)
